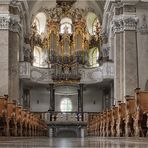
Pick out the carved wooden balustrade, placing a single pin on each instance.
(108, 125)
(11, 119)
(121, 119)
(129, 118)
(16, 121)
(3, 116)
(114, 121)
(104, 123)
(18, 111)
(140, 125)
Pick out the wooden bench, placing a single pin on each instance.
(114, 121)
(121, 119)
(105, 123)
(109, 120)
(130, 116)
(19, 119)
(11, 119)
(140, 125)
(3, 116)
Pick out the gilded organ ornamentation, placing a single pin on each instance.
(66, 41)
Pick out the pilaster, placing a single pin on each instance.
(14, 48)
(4, 51)
(125, 57)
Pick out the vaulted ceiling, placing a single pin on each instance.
(97, 5)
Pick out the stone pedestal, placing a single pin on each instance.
(50, 132)
(82, 134)
(117, 67)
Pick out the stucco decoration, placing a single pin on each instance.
(89, 75)
(41, 75)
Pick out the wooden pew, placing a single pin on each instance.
(114, 121)
(121, 119)
(28, 123)
(130, 116)
(98, 124)
(109, 120)
(101, 124)
(141, 127)
(104, 123)
(11, 119)
(19, 119)
(24, 122)
(32, 124)
(3, 116)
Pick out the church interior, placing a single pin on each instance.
(74, 73)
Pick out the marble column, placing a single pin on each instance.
(130, 74)
(52, 101)
(14, 48)
(117, 64)
(51, 97)
(79, 107)
(4, 49)
(81, 101)
(121, 67)
(13, 65)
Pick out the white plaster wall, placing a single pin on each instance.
(91, 96)
(43, 96)
(142, 41)
(92, 100)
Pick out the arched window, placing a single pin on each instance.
(93, 57)
(91, 21)
(66, 105)
(36, 61)
(40, 22)
(66, 25)
(96, 24)
(40, 52)
(40, 57)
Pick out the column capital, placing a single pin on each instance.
(10, 22)
(4, 21)
(116, 24)
(14, 24)
(129, 22)
(124, 23)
